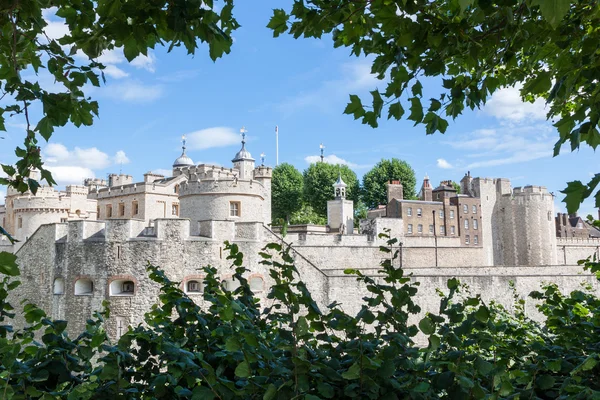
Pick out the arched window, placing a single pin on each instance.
(466, 224)
(419, 212)
(194, 286)
(257, 284)
(122, 287)
(465, 208)
(409, 211)
(59, 286)
(84, 286)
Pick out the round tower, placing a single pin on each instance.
(219, 200)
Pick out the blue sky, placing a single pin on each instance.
(302, 86)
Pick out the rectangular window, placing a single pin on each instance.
(475, 224)
(453, 230)
(466, 224)
(135, 208)
(451, 213)
(419, 212)
(121, 209)
(431, 229)
(63, 220)
(409, 211)
(475, 239)
(419, 228)
(20, 222)
(474, 209)
(465, 208)
(234, 209)
(409, 230)
(108, 211)
(442, 230)
(175, 209)
(467, 239)
(441, 213)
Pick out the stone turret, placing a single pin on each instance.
(243, 160)
(340, 212)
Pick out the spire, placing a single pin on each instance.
(183, 160)
(243, 154)
(339, 187)
(321, 147)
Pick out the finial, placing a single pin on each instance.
(321, 147)
(243, 132)
(183, 141)
(262, 157)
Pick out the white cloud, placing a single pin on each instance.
(55, 30)
(115, 72)
(145, 62)
(505, 145)
(70, 175)
(212, 137)
(330, 159)
(135, 92)
(73, 166)
(121, 158)
(443, 164)
(506, 105)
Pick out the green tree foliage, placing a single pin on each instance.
(318, 185)
(235, 348)
(456, 187)
(93, 27)
(547, 48)
(374, 191)
(286, 191)
(307, 215)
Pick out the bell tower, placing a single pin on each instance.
(340, 211)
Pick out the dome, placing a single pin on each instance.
(340, 182)
(243, 154)
(183, 161)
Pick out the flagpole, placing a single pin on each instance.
(276, 145)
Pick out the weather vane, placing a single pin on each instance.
(262, 158)
(321, 147)
(243, 132)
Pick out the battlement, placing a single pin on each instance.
(578, 241)
(530, 189)
(119, 179)
(263, 172)
(228, 185)
(207, 171)
(76, 190)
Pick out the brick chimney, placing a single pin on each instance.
(394, 191)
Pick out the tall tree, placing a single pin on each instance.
(93, 27)
(286, 191)
(374, 190)
(318, 185)
(546, 48)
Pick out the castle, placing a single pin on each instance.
(92, 242)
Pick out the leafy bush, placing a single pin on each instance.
(231, 346)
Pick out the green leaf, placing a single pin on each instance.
(8, 264)
(355, 107)
(464, 4)
(396, 111)
(545, 382)
(427, 326)
(242, 370)
(278, 22)
(422, 387)
(417, 89)
(587, 364)
(202, 393)
(482, 314)
(553, 11)
(353, 372)
(377, 102)
(325, 390)
(416, 110)
(483, 367)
